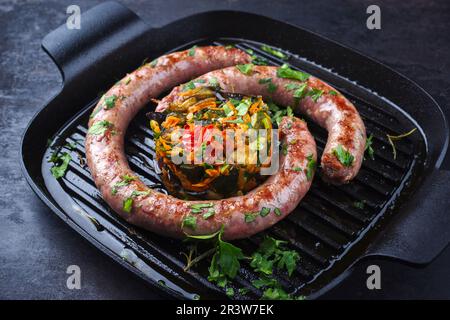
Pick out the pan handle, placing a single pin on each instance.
(108, 39)
(422, 230)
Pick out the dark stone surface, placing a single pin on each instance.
(36, 247)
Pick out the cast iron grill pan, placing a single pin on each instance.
(327, 229)
(326, 223)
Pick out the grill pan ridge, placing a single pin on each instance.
(327, 229)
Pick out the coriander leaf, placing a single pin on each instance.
(100, 127)
(229, 292)
(110, 101)
(209, 214)
(261, 263)
(228, 260)
(344, 157)
(189, 221)
(288, 260)
(136, 193)
(264, 282)
(60, 170)
(243, 291)
(332, 92)
(274, 52)
(285, 72)
(315, 94)
(275, 294)
(127, 204)
(359, 204)
(191, 51)
(264, 211)
(153, 63)
(271, 87)
(369, 149)
(189, 86)
(245, 68)
(277, 211)
(310, 167)
(249, 217)
(126, 179)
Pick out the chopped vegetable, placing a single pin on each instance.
(58, 171)
(245, 68)
(285, 72)
(271, 87)
(126, 179)
(359, 204)
(310, 167)
(344, 157)
(191, 51)
(264, 211)
(249, 217)
(190, 221)
(100, 127)
(127, 204)
(110, 101)
(369, 149)
(274, 52)
(277, 211)
(315, 94)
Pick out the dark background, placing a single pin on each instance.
(36, 247)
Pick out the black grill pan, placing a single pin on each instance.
(405, 215)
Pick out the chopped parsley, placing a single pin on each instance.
(245, 68)
(359, 204)
(127, 204)
(225, 262)
(264, 211)
(191, 51)
(229, 292)
(277, 211)
(315, 94)
(189, 86)
(369, 149)
(209, 213)
(58, 171)
(332, 92)
(249, 217)
(190, 222)
(154, 63)
(126, 179)
(100, 127)
(285, 72)
(310, 167)
(344, 157)
(136, 193)
(110, 101)
(274, 52)
(271, 87)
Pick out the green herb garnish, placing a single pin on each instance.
(332, 92)
(274, 52)
(245, 68)
(264, 211)
(189, 86)
(58, 171)
(100, 127)
(369, 149)
(359, 204)
(191, 51)
(285, 72)
(277, 211)
(344, 157)
(127, 204)
(209, 214)
(190, 221)
(249, 217)
(310, 167)
(153, 63)
(315, 94)
(271, 87)
(126, 179)
(110, 101)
